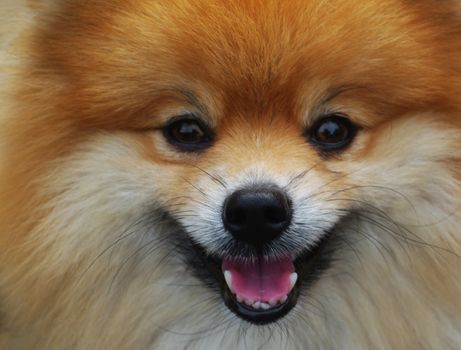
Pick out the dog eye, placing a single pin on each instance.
(332, 133)
(188, 134)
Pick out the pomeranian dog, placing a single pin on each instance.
(226, 174)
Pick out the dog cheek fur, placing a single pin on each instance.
(410, 253)
(85, 262)
(49, 288)
(100, 193)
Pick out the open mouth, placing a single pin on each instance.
(262, 290)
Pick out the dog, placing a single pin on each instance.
(232, 174)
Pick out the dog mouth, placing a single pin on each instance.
(263, 289)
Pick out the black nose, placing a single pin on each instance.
(257, 216)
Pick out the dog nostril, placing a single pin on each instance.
(275, 215)
(257, 216)
(236, 216)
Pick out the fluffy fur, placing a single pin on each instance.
(96, 204)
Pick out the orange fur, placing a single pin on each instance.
(98, 80)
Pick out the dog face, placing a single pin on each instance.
(185, 170)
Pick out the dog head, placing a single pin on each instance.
(175, 160)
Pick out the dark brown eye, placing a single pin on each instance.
(332, 133)
(188, 134)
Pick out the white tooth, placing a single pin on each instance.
(265, 306)
(239, 299)
(257, 305)
(228, 278)
(283, 299)
(273, 302)
(249, 302)
(293, 279)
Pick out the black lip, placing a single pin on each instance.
(309, 267)
(260, 317)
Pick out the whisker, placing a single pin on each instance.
(194, 186)
(220, 180)
(134, 254)
(299, 176)
(130, 231)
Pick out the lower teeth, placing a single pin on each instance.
(261, 304)
(265, 306)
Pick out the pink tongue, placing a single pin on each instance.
(261, 280)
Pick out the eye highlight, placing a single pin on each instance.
(332, 133)
(188, 134)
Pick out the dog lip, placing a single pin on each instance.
(308, 267)
(261, 316)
